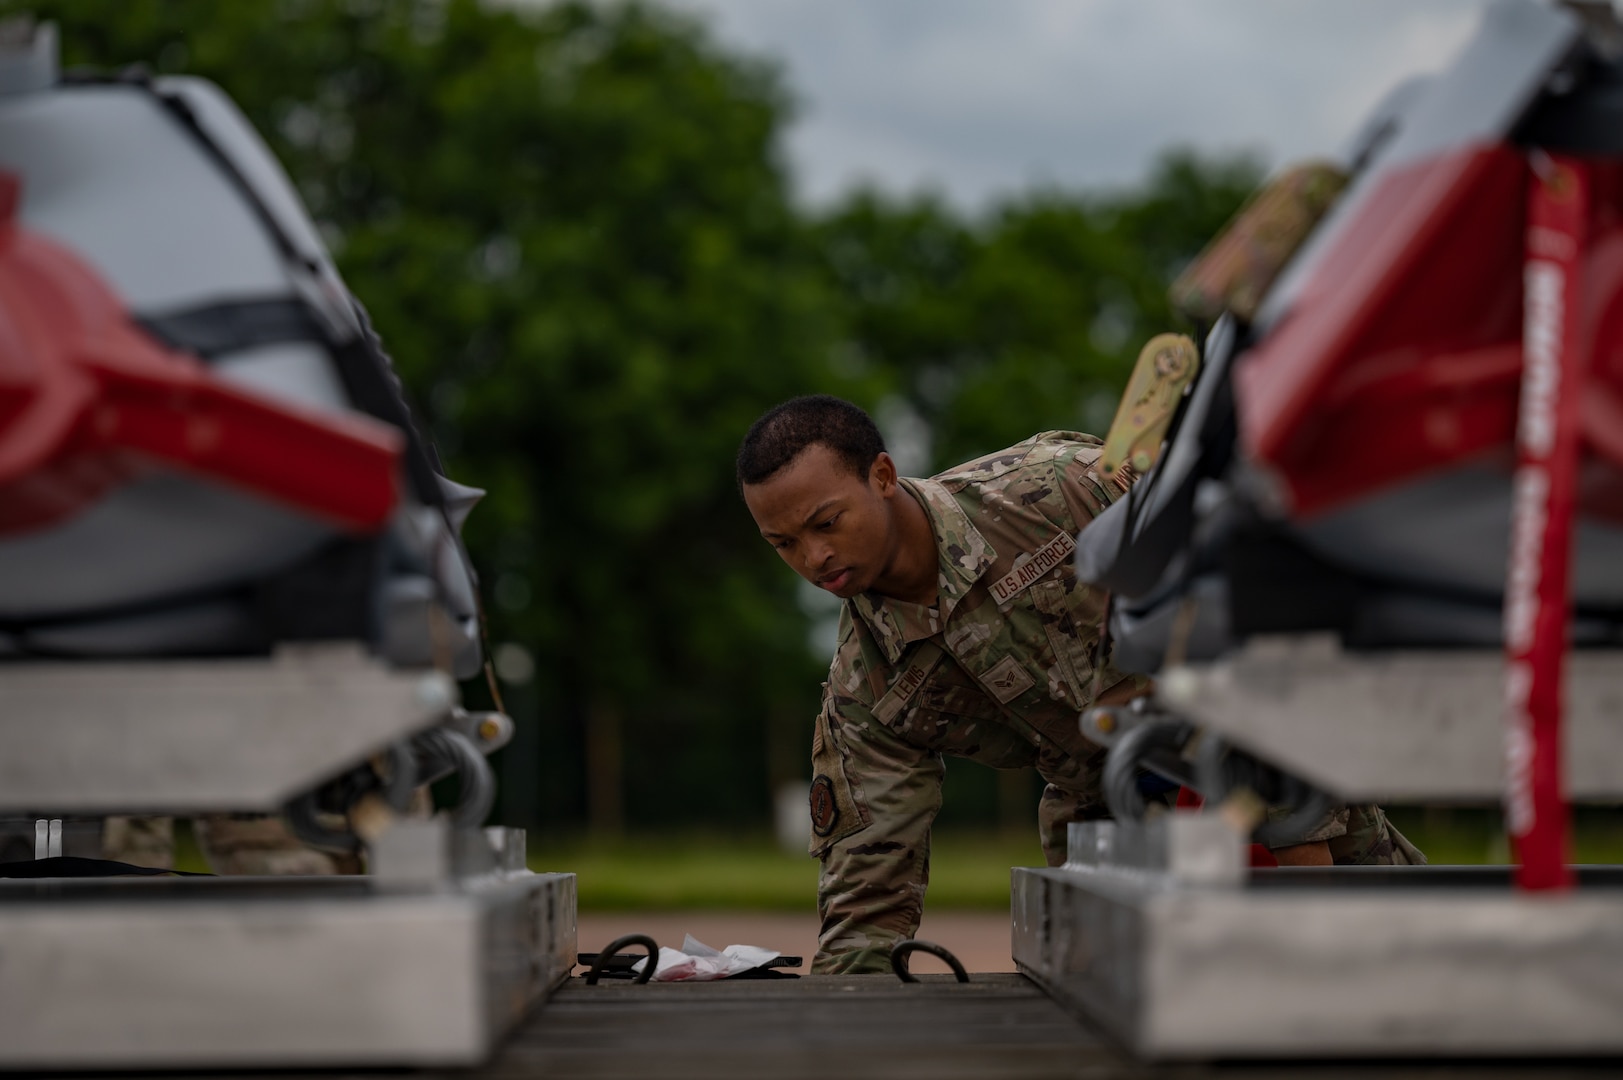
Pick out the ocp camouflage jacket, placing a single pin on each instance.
(997, 671)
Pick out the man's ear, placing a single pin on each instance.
(882, 474)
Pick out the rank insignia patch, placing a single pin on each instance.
(824, 813)
(1007, 680)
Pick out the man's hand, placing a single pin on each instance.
(1134, 686)
(1316, 853)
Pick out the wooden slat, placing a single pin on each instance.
(827, 1027)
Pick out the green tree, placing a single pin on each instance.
(1029, 317)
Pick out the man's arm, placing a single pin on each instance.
(874, 797)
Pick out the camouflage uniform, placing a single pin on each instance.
(997, 672)
(231, 843)
(140, 841)
(261, 844)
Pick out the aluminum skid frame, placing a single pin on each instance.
(427, 960)
(1161, 934)
(285, 972)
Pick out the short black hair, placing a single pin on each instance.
(779, 436)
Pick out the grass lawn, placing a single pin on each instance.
(1471, 837)
(968, 871)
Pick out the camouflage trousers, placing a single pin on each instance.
(233, 844)
(1367, 838)
(261, 844)
(139, 841)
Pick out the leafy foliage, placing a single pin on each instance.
(572, 226)
(1028, 319)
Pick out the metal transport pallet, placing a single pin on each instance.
(1162, 934)
(233, 972)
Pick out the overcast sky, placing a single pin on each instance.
(977, 98)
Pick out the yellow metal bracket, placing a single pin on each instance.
(1165, 367)
(1237, 269)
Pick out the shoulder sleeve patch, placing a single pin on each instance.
(825, 810)
(836, 809)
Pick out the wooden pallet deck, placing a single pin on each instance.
(828, 1028)
(855, 1028)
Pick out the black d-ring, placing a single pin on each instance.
(900, 951)
(615, 946)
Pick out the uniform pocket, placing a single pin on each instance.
(836, 812)
(1071, 619)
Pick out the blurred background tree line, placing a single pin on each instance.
(574, 229)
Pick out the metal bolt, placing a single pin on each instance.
(1180, 686)
(433, 693)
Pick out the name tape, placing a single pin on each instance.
(925, 657)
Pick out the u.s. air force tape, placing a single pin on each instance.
(1041, 562)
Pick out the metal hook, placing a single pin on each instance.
(615, 946)
(900, 951)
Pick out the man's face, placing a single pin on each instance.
(834, 528)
